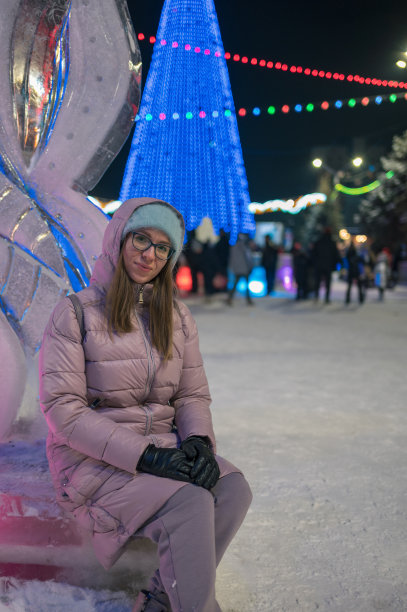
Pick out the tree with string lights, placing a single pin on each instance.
(383, 213)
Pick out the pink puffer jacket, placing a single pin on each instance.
(93, 453)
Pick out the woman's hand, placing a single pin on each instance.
(166, 462)
(205, 471)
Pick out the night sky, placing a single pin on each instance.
(360, 37)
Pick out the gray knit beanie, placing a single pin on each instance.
(160, 217)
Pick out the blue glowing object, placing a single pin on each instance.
(257, 287)
(378, 99)
(338, 104)
(77, 274)
(257, 283)
(195, 164)
(256, 111)
(298, 108)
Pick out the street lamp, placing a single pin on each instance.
(357, 162)
(402, 63)
(344, 234)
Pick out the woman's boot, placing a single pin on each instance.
(151, 602)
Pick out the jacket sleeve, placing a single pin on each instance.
(192, 398)
(64, 403)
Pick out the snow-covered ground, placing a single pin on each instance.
(310, 401)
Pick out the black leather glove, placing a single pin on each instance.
(205, 471)
(166, 462)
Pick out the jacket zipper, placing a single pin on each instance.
(150, 367)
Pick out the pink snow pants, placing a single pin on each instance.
(193, 530)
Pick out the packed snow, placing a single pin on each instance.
(309, 400)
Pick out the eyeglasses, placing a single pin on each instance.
(143, 243)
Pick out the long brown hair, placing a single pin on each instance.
(120, 302)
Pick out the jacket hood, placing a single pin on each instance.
(106, 263)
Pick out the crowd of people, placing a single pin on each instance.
(215, 261)
(357, 264)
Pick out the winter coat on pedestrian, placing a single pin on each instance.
(325, 253)
(382, 270)
(222, 249)
(240, 258)
(355, 263)
(138, 399)
(269, 255)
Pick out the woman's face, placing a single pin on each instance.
(143, 266)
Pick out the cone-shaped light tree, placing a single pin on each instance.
(186, 147)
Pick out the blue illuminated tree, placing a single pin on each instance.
(186, 147)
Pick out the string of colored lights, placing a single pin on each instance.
(290, 206)
(311, 199)
(293, 69)
(361, 190)
(285, 109)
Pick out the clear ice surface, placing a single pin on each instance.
(70, 73)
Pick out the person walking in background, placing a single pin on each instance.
(355, 266)
(131, 446)
(193, 254)
(382, 272)
(209, 268)
(326, 257)
(222, 248)
(301, 270)
(241, 265)
(367, 254)
(399, 256)
(269, 262)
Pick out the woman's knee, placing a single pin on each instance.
(234, 490)
(192, 498)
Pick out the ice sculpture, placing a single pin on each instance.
(70, 73)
